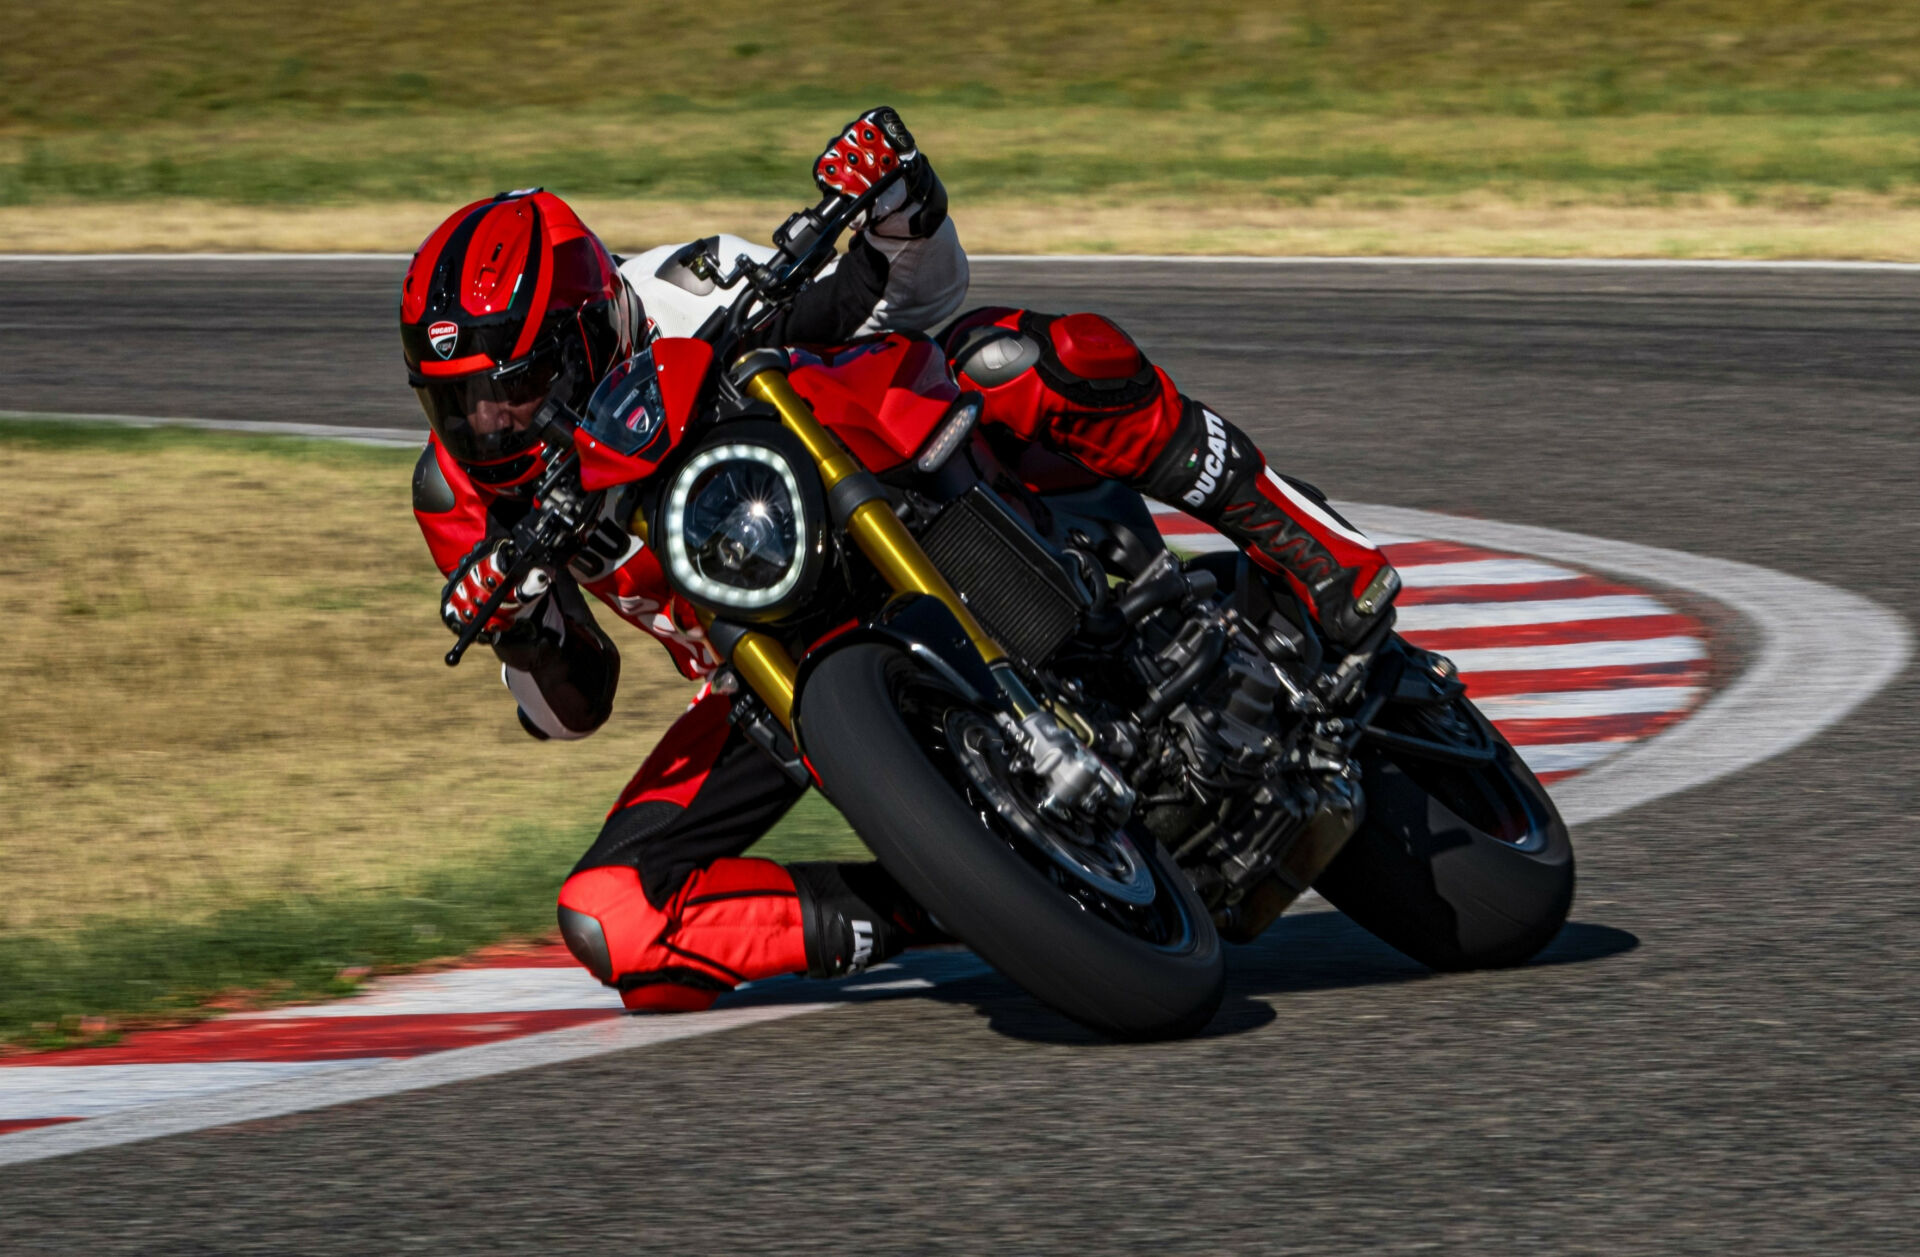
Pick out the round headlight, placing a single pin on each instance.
(741, 529)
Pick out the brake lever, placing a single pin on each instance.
(470, 633)
(547, 536)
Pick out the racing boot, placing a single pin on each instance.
(1215, 473)
(854, 916)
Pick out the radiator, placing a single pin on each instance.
(1006, 577)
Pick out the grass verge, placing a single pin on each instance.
(89, 985)
(1753, 128)
(233, 761)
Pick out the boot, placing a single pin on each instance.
(854, 916)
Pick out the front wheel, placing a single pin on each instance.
(1111, 935)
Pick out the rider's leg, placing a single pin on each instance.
(664, 908)
(1079, 384)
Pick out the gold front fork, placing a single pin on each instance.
(872, 525)
(762, 662)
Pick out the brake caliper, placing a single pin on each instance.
(1079, 784)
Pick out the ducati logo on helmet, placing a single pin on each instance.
(443, 336)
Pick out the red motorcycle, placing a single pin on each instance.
(1088, 759)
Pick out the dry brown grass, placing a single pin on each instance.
(224, 685)
(1853, 225)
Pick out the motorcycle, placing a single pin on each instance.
(1089, 760)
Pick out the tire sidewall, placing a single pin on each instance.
(927, 835)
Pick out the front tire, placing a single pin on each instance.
(979, 885)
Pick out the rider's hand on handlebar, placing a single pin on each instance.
(866, 151)
(473, 582)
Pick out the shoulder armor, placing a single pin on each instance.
(432, 495)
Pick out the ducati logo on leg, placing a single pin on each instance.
(443, 336)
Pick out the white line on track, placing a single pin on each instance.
(1434, 616)
(460, 991)
(1104, 259)
(1481, 572)
(1583, 704)
(342, 1082)
(1481, 659)
(94, 1091)
(1822, 652)
(349, 433)
(1567, 757)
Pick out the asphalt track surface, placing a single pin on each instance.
(1721, 1054)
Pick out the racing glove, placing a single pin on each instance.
(473, 581)
(868, 149)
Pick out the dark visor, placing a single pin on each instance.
(483, 417)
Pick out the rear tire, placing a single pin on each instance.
(938, 845)
(1458, 867)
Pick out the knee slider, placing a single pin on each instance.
(606, 921)
(587, 941)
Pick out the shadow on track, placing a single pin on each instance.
(1309, 951)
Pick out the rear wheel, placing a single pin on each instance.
(1459, 865)
(1100, 926)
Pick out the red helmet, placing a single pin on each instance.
(509, 301)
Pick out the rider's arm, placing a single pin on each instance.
(882, 283)
(904, 270)
(561, 668)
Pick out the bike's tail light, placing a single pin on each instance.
(743, 527)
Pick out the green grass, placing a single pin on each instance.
(55, 988)
(985, 156)
(1295, 99)
(104, 64)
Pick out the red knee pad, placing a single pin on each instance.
(608, 924)
(1094, 349)
(734, 921)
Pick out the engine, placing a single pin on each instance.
(1193, 693)
(1237, 771)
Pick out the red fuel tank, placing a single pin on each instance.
(882, 397)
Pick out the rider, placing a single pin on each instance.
(512, 299)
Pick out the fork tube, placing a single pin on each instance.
(872, 524)
(762, 662)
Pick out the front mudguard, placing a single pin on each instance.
(922, 628)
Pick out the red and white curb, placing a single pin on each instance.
(1602, 681)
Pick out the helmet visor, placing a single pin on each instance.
(484, 417)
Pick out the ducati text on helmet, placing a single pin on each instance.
(510, 301)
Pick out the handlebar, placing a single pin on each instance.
(805, 244)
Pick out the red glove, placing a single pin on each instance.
(474, 581)
(872, 145)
